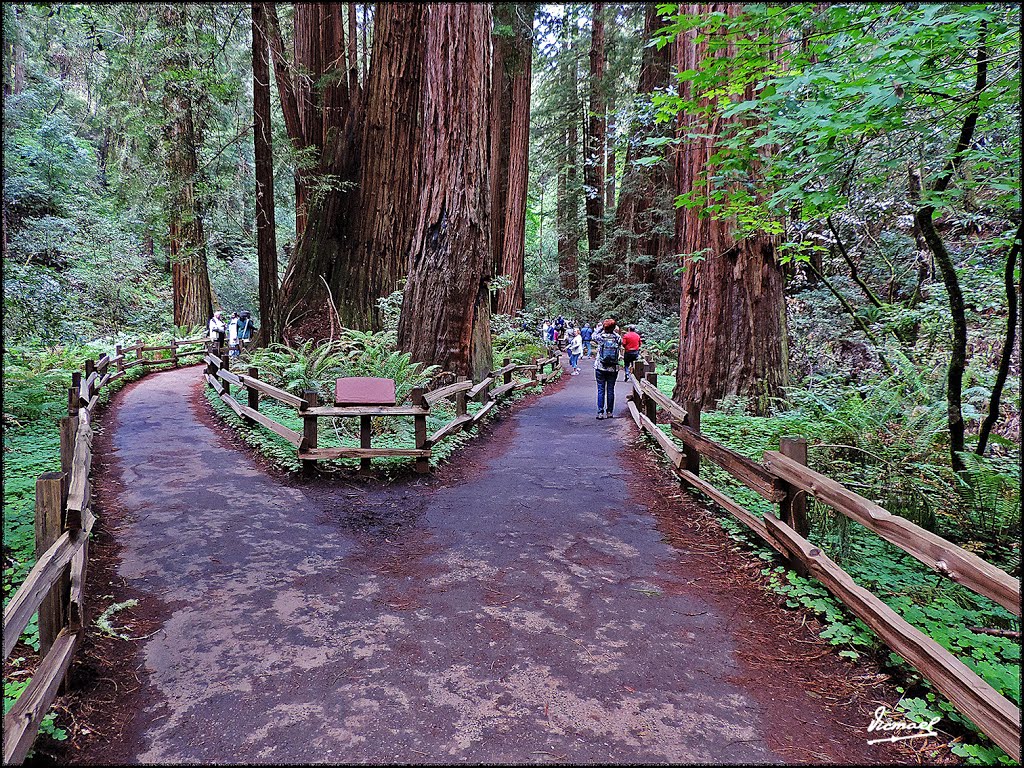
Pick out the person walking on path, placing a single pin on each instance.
(630, 348)
(217, 328)
(245, 329)
(606, 368)
(233, 334)
(575, 350)
(586, 335)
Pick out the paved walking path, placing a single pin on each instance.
(522, 606)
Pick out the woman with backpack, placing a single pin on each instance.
(606, 367)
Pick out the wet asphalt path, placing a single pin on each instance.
(521, 609)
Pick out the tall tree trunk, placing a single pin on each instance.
(644, 216)
(732, 338)
(372, 263)
(566, 203)
(924, 216)
(594, 159)
(510, 148)
(1009, 344)
(266, 237)
(330, 127)
(190, 279)
(446, 310)
(609, 173)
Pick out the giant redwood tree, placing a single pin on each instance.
(355, 242)
(263, 155)
(190, 278)
(732, 338)
(643, 235)
(510, 147)
(446, 308)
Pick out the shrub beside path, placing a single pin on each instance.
(536, 600)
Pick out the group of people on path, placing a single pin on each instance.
(607, 344)
(236, 332)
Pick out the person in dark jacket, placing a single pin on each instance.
(606, 367)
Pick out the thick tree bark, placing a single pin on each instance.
(190, 279)
(446, 310)
(644, 216)
(372, 264)
(266, 237)
(732, 337)
(594, 159)
(958, 354)
(510, 149)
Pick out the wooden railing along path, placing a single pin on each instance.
(783, 478)
(55, 587)
(220, 378)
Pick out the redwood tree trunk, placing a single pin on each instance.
(510, 148)
(567, 203)
(732, 338)
(190, 279)
(446, 310)
(644, 216)
(594, 159)
(371, 264)
(263, 152)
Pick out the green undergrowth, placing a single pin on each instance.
(938, 607)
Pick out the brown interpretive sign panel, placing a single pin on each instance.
(364, 390)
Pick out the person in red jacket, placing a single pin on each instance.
(630, 348)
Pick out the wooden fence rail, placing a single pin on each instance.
(220, 378)
(784, 478)
(55, 586)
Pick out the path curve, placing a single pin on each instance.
(529, 603)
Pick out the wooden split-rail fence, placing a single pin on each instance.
(55, 587)
(219, 376)
(783, 478)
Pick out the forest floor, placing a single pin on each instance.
(547, 596)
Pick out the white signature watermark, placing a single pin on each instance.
(882, 723)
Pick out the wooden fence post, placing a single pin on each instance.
(253, 393)
(49, 525)
(309, 431)
(138, 351)
(364, 442)
(90, 369)
(76, 383)
(460, 399)
(225, 364)
(422, 462)
(650, 406)
(693, 422)
(68, 433)
(507, 378)
(793, 509)
(119, 354)
(174, 353)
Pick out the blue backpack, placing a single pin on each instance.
(609, 354)
(587, 334)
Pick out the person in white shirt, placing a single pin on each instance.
(575, 349)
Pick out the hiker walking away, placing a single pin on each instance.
(559, 330)
(245, 329)
(233, 334)
(217, 329)
(586, 335)
(630, 348)
(606, 367)
(575, 350)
